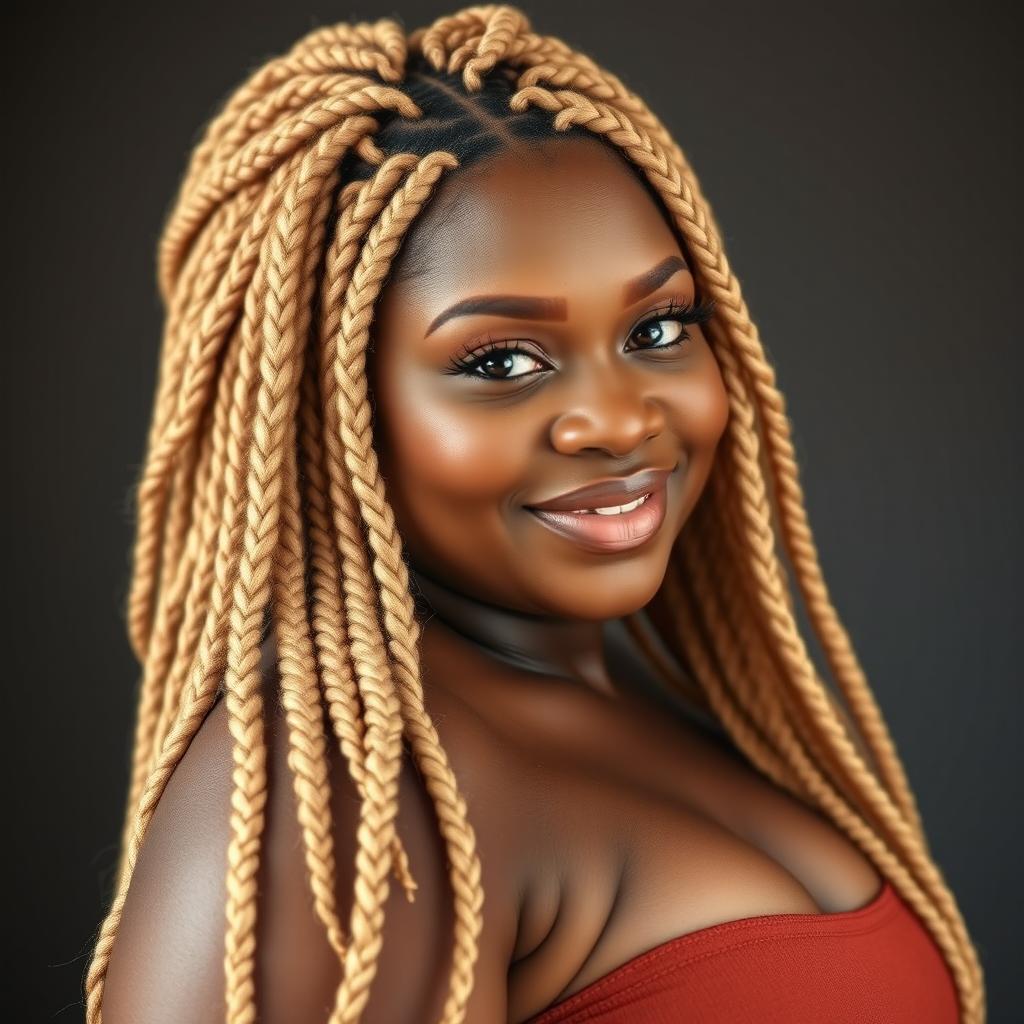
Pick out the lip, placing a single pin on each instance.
(601, 534)
(611, 491)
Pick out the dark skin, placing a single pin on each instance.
(604, 825)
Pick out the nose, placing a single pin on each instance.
(611, 414)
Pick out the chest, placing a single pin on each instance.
(644, 829)
(614, 824)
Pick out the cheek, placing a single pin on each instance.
(444, 459)
(700, 405)
(463, 453)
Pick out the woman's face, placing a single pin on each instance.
(581, 384)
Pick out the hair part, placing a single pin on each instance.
(261, 491)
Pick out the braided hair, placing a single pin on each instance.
(261, 490)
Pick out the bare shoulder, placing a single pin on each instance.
(167, 959)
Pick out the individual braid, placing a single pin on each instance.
(307, 755)
(373, 670)
(165, 668)
(775, 431)
(261, 499)
(198, 566)
(726, 543)
(801, 677)
(188, 348)
(324, 460)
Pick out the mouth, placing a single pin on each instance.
(610, 528)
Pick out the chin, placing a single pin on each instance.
(597, 594)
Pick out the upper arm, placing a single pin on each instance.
(167, 960)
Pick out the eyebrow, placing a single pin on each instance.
(534, 307)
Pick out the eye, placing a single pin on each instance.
(663, 333)
(667, 330)
(500, 360)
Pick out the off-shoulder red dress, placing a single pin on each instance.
(876, 964)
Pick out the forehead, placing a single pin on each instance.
(547, 219)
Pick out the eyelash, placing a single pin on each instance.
(466, 363)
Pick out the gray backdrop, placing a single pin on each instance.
(862, 160)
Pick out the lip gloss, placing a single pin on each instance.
(607, 534)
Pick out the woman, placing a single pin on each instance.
(456, 381)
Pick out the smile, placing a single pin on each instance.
(612, 528)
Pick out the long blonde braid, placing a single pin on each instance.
(262, 387)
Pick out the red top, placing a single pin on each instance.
(873, 965)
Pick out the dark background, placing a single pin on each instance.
(863, 163)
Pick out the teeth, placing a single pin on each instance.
(615, 510)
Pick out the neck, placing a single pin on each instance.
(571, 649)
